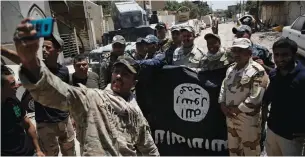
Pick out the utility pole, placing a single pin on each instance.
(243, 9)
(240, 9)
(211, 7)
(257, 19)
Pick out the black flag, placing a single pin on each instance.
(183, 112)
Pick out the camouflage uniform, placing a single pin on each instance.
(169, 52)
(244, 89)
(212, 62)
(105, 71)
(106, 124)
(189, 57)
(106, 65)
(165, 44)
(262, 53)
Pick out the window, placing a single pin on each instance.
(299, 23)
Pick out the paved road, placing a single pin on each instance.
(224, 31)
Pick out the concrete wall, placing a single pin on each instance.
(157, 5)
(273, 14)
(169, 20)
(283, 13)
(12, 12)
(108, 24)
(294, 9)
(95, 17)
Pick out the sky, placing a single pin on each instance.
(219, 4)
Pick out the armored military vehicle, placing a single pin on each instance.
(131, 21)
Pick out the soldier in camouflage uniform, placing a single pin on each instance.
(262, 56)
(173, 44)
(152, 46)
(188, 54)
(217, 56)
(118, 49)
(260, 53)
(140, 49)
(161, 34)
(109, 122)
(240, 98)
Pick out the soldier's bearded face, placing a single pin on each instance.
(187, 38)
(81, 67)
(213, 45)
(141, 48)
(283, 57)
(241, 56)
(161, 33)
(49, 51)
(176, 36)
(118, 49)
(151, 48)
(122, 79)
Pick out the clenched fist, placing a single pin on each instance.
(26, 49)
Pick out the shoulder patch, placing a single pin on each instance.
(260, 70)
(233, 64)
(260, 74)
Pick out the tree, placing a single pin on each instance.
(196, 8)
(172, 5)
(250, 5)
(228, 13)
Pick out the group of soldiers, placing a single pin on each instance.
(104, 111)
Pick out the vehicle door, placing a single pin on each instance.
(295, 31)
(301, 41)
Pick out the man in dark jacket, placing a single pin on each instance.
(286, 129)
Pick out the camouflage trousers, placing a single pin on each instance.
(53, 135)
(244, 135)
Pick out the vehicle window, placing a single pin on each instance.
(299, 23)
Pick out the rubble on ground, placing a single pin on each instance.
(266, 38)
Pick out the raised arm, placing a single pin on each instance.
(45, 87)
(157, 61)
(10, 54)
(51, 91)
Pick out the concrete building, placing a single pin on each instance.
(12, 13)
(153, 5)
(78, 23)
(281, 12)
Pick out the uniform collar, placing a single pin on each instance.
(217, 56)
(110, 91)
(246, 66)
(297, 68)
